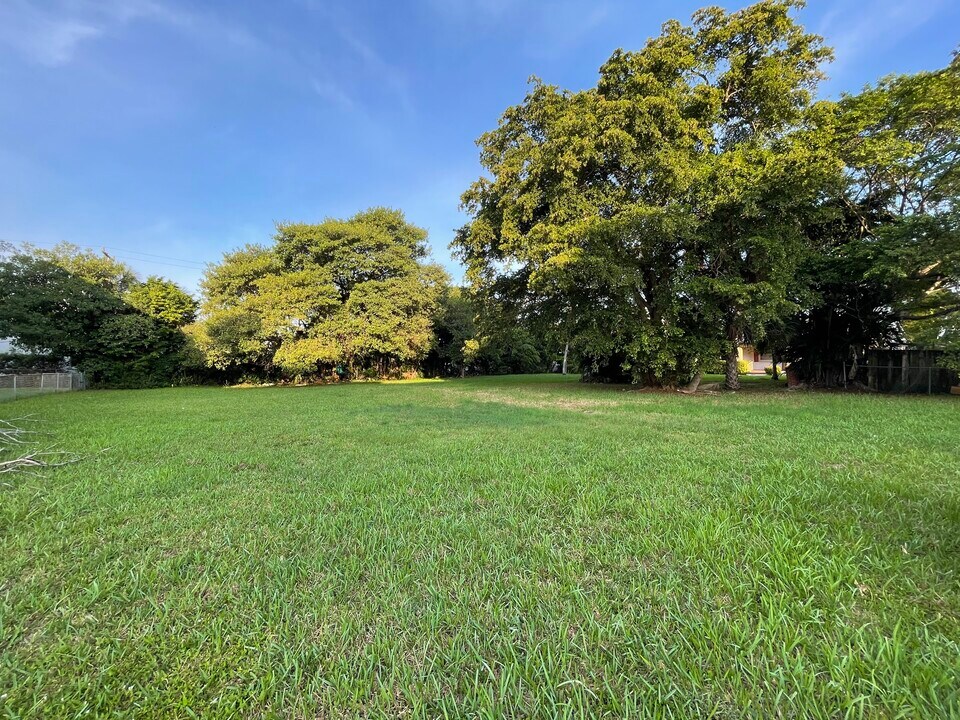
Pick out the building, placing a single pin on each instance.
(758, 361)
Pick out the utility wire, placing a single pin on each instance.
(126, 254)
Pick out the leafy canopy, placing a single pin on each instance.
(70, 304)
(355, 293)
(642, 218)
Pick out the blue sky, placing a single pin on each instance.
(169, 131)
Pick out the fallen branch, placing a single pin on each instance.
(14, 434)
(15, 438)
(39, 460)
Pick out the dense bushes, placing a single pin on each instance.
(72, 307)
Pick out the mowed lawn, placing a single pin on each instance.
(495, 547)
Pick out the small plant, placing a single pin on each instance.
(744, 367)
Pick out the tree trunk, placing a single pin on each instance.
(733, 372)
(776, 375)
(694, 383)
(566, 350)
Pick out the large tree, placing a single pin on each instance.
(887, 270)
(656, 218)
(71, 304)
(353, 294)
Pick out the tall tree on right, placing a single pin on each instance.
(756, 70)
(658, 218)
(887, 270)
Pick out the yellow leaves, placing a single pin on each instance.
(301, 357)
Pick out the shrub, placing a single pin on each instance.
(744, 366)
(950, 360)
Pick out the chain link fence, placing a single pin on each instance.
(18, 385)
(905, 371)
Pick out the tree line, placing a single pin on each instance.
(342, 299)
(699, 197)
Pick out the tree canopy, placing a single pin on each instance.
(887, 266)
(698, 198)
(69, 304)
(657, 216)
(355, 295)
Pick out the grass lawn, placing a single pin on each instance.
(519, 547)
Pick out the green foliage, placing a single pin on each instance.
(744, 366)
(353, 293)
(163, 300)
(49, 310)
(508, 349)
(41, 362)
(454, 328)
(887, 268)
(951, 361)
(657, 217)
(53, 311)
(109, 274)
(134, 350)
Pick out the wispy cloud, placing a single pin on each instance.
(483, 10)
(378, 72)
(546, 28)
(54, 33)
(390, 75)
(343, 70)
(43, 36)
(333, 93)
(853, 30)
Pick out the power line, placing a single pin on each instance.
(152, 255)
(159, 262)
(126, 254)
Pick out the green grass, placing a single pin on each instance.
(498, 547)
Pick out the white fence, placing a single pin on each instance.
(18, 386)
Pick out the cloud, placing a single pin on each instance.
(56, 43)
(391, 76)
(333, 93)
(53, 33)
(565, 26)
(544, 29)
(485, 10)
(852, 31)
(43, 36)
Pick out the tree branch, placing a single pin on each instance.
(942, 312)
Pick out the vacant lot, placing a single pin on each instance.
(484, 548)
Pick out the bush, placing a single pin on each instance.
(950, 360)
(769, 370)
(37, 362)
(744, 366)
